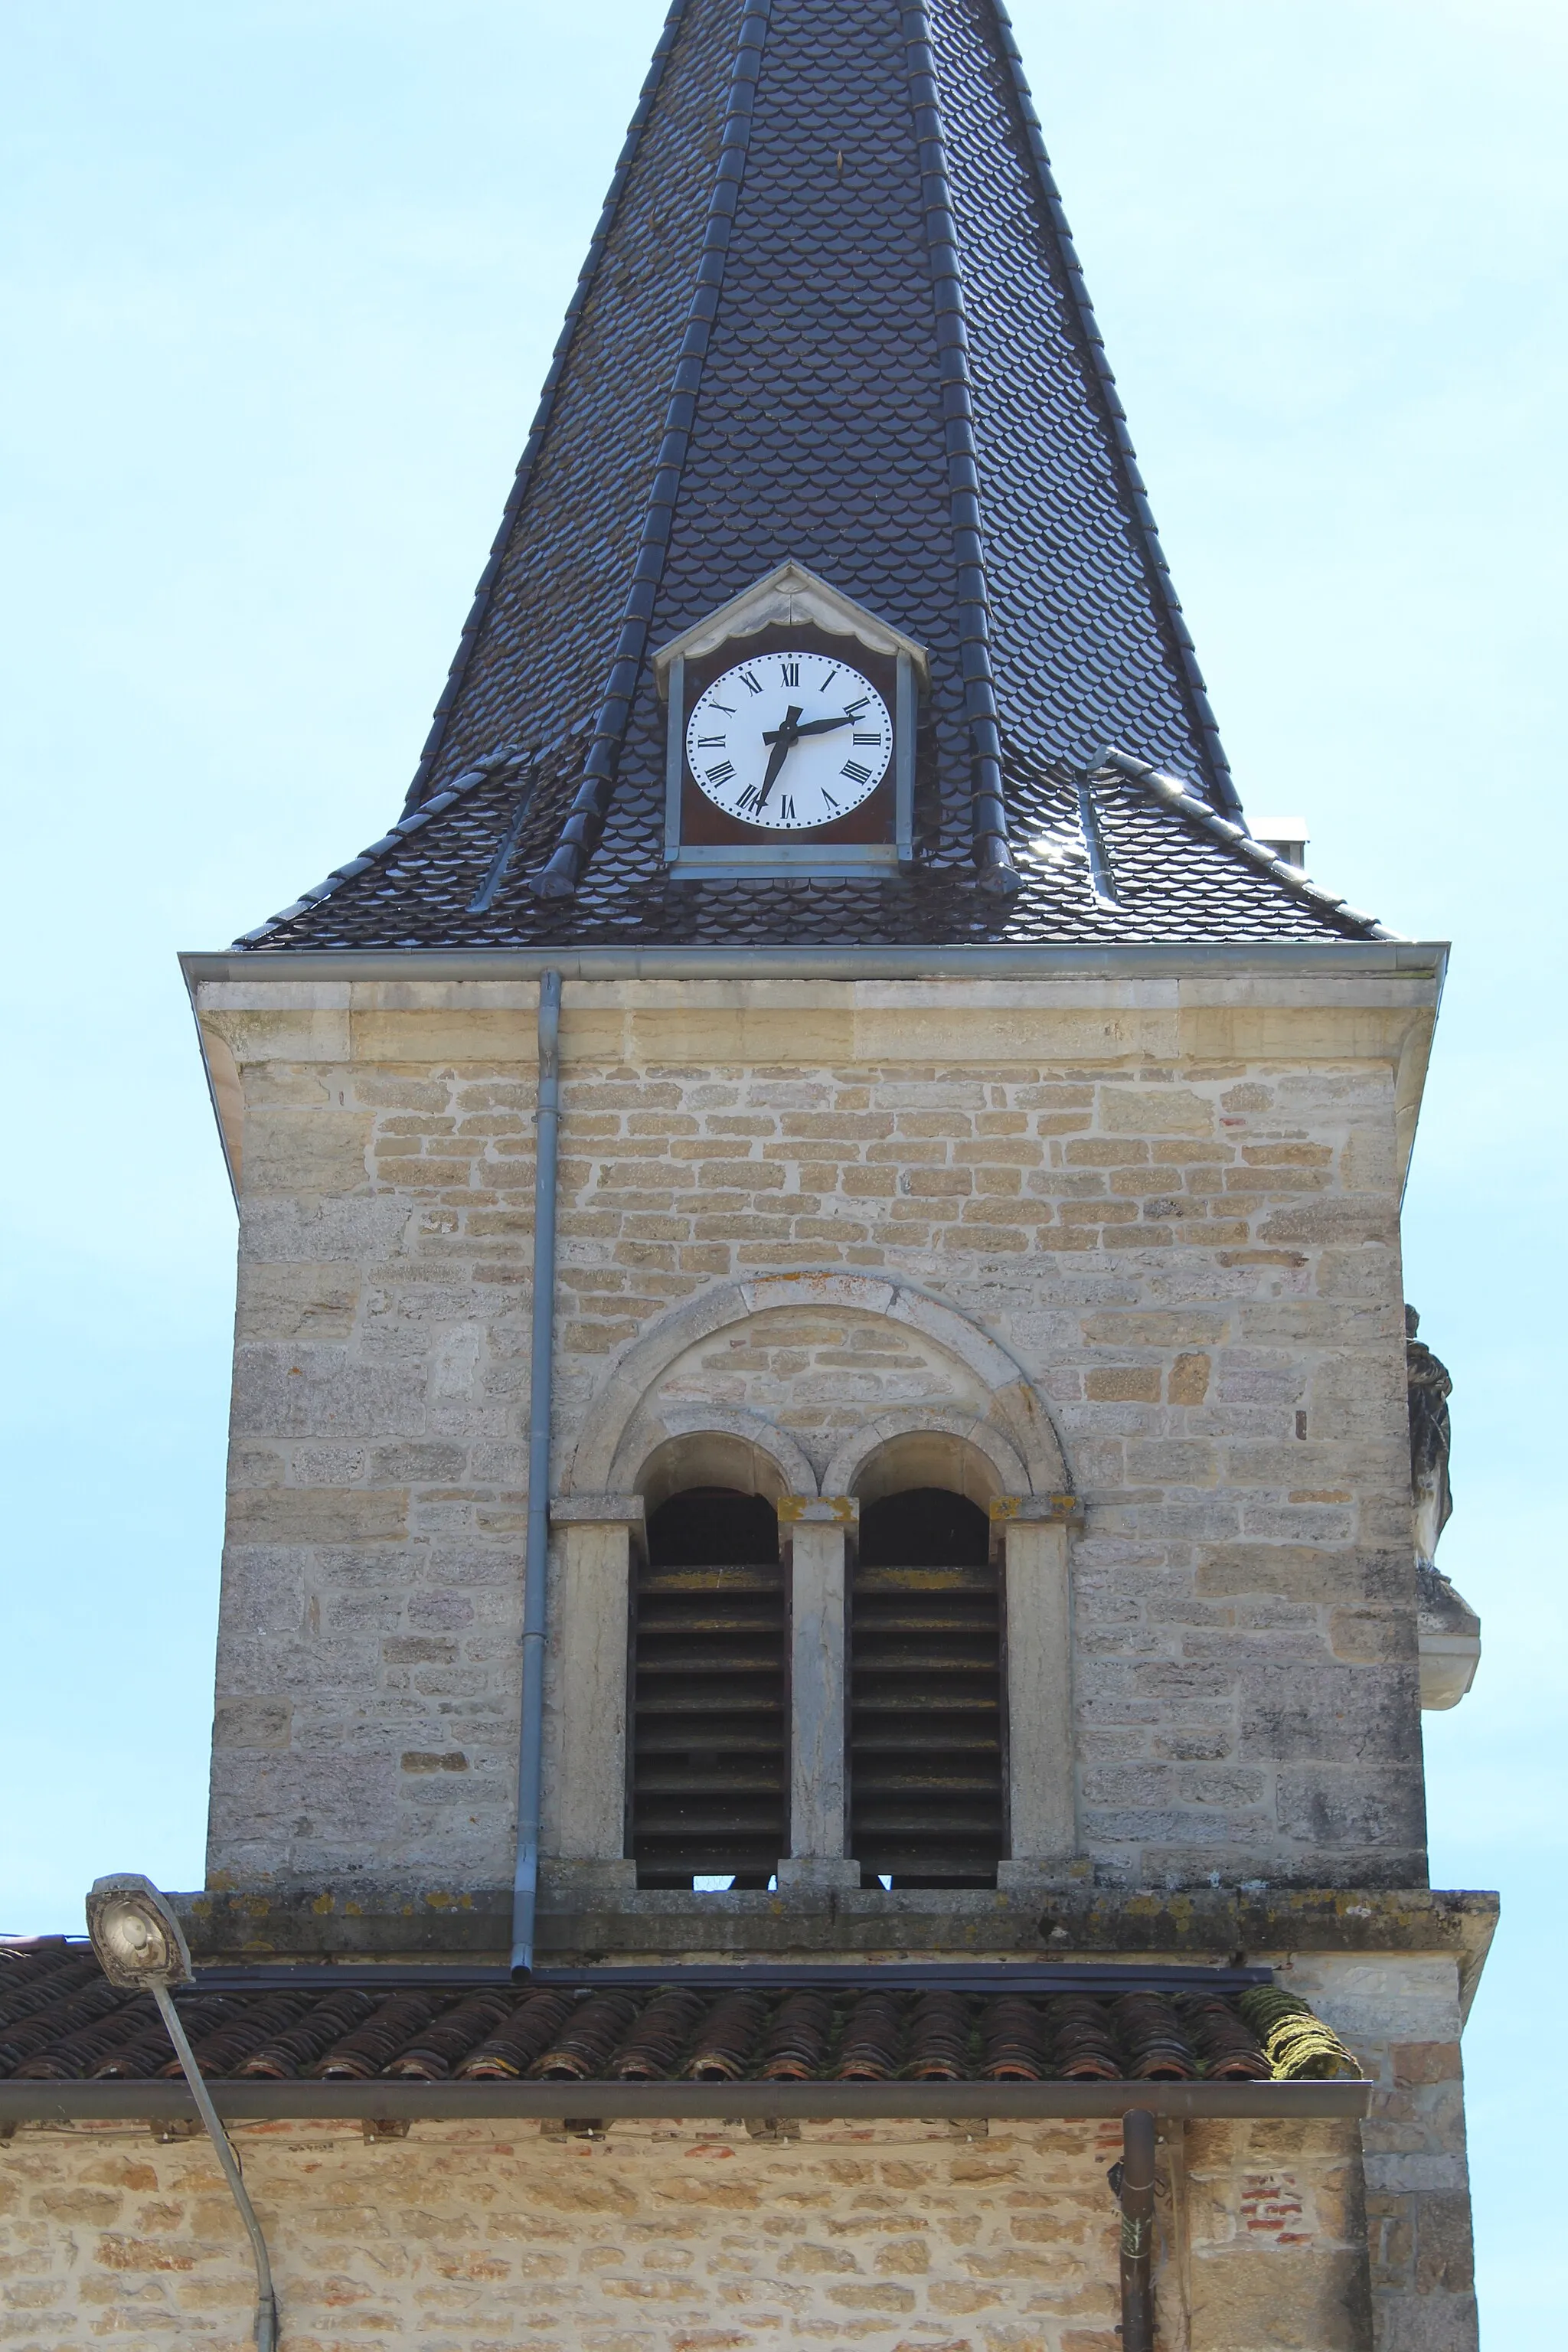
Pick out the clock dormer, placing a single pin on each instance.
(792, 719)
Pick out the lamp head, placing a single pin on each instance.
(138, 1940)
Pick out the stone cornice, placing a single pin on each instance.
(1070, 1921)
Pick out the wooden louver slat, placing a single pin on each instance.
(926, 1724)
(709, 1773)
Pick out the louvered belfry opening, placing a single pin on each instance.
(710, 1752)
(926, 1718)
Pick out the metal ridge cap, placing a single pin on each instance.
(1175, 793)
(990, 849)
(252, 2101)
(1005, 959)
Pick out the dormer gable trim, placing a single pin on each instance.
(790, 596)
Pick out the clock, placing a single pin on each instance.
(791, 736)
(789, 739)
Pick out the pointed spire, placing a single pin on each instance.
(831, 315)
(877, 296)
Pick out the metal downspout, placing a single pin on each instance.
(1137, 2197)
(530, 1738)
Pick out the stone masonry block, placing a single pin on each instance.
(1292, 1571)
(1154, 1111)
(251, 1723)
(320, 1392)
(326, 1515)
(296, 1302)
(305, 1150)
(1293, 1712)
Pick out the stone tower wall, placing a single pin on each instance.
(1170, 1204)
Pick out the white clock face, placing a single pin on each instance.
(788, 740)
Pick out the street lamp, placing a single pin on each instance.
(141, 1947)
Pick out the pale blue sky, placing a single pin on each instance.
(277, 282)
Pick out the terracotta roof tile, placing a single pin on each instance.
(691, 2033)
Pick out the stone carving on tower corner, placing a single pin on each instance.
(1449, 1631)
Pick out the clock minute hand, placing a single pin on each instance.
(812, 727)
(783, 741)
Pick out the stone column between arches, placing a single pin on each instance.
(819, 1526)
(586, 1783)
(1041, 1759)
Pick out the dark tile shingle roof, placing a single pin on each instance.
(60, 2021)
(831, 314)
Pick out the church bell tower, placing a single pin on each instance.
(820, 1404)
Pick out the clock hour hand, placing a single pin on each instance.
(783, 741)
(812, 727)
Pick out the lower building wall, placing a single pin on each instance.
(901, 2238)
(913, 2237)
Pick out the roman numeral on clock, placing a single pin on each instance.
(789, 673)
(857, 709)
(875, 739)
(717, 743)
(722, 773)
(754, 685)
(856, 772)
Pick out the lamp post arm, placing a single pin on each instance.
(266, 2327)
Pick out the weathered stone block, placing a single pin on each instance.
(252, 1723)
(325, 1515)
(305, 1150)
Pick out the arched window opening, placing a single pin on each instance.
(710, 1762)
(926, 1721)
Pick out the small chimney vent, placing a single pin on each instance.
(1285, 836)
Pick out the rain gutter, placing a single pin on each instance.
(491, 2102)
(1003, 960)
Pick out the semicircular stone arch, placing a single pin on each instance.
(924, 1446)
(833, 1365)
(708, 1445)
